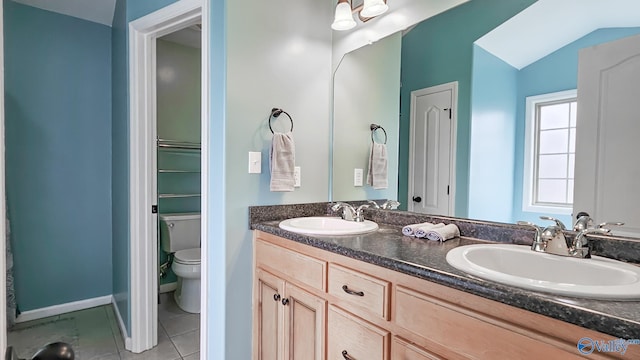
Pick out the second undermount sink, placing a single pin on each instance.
(595, 278)
(321, 225)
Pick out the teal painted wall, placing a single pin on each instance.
(491, 159)
(58, 152)
(440, 50)
(556, 72)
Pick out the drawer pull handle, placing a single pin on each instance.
(346, 355)
(276, 297)
(285, 301)
(351, 292)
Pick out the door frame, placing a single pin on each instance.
(3, 197)
(143, 256)
(453, 86)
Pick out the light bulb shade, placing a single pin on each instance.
(373, 8)
(344, 17)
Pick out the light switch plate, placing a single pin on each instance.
(255, 162)
(357, 177)
(296, 176)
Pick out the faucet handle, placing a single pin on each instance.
(558, 222)
(528, 223)
(538, 244)
(605, 226)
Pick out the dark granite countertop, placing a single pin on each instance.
(388, 248)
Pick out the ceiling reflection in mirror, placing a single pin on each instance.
(492, 92)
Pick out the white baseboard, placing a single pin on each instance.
(63, 308)
(123, 329)
(165, 288)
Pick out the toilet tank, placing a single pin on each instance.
(179, 231)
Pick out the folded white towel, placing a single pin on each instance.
(443, 233)
(378, 163)
(410, 230)
(424, 230)
(282, 159)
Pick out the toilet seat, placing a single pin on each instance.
(187, 257)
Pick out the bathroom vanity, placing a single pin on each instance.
(385, 296)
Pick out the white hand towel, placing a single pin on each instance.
(282, 159)
(377, 172)
(443, 233)
(410, 230)
(424, 230)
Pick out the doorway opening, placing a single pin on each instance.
(144, 286)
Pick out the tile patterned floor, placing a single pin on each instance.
(94, 334)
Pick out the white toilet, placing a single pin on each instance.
(180, 234)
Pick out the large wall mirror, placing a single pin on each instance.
(476, 45)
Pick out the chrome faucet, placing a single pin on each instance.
(390, 205)
(552, 239)
(349, 212)
(583, 222)
(387, 205)
(581, 247)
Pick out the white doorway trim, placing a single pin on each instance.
(3, 215)
(143, 257)
(453, 86)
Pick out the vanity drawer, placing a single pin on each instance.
(304, 269)
(466, 333)
(358, 338)
(359, 290)
(403, 350)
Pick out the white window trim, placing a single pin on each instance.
(529, 154)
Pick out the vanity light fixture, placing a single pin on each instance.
(344, 17)
(373, 8)
(366, 9)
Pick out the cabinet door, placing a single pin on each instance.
(304, 324)
(267, 317)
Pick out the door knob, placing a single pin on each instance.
(417, 199)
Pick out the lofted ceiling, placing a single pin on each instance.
(98, 11)
(549, 25)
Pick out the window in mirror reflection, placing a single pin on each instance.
(550, 152)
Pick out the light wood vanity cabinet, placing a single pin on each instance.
(384, 314)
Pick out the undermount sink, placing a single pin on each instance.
(516, 265)
(320, 225)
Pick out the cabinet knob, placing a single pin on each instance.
(285, 301)
(351, 292)
(276, 297)
(417, 199)
(346, 355)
